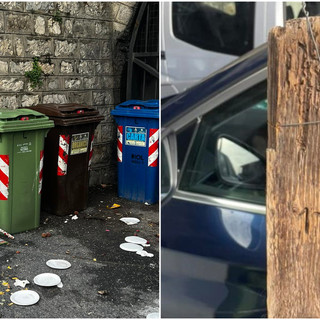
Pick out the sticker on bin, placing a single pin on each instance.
(136, 136)
(63, 154)
(4, 177)
(79, 143)
(153, 152)
(119, 142)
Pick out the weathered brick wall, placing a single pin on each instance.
(80, 46)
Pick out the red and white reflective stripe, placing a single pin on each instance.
(63, 154)
(120, 141)
(153, 151)
(91, 151)
(4, 177)
(41, 170)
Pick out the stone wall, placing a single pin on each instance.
(81, 50)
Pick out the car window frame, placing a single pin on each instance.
(169, 148)
(202, 108)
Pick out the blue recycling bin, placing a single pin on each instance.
(138, 150)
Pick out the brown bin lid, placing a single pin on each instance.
(67, 114)
(65, 110)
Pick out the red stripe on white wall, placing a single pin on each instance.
(4, 177)
(91, 152)
(153, 152)
(41, 170)
(63, 154)
(119, 142)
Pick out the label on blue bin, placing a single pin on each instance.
(136, 136)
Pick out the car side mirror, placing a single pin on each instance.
(239, 165)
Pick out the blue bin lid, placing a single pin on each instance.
(137, 109)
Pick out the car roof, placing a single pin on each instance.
(241, 68)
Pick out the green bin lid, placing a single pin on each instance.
(23, 120)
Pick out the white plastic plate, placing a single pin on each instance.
(154, 315)
(47, 279)
(58, 264)
(135, 239)
(130, 221)
(130, 247)
(25, 297)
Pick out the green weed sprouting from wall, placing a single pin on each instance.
(57, 17)
(34, 75)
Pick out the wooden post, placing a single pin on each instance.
(293, 172)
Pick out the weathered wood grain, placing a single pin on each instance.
(293, 172)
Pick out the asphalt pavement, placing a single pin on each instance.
(103, 281)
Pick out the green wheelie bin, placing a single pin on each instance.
(22, 134)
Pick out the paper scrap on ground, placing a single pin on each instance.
(60, 285)
(130, 221)
(114, 206)
(144, 253)
(3, 241)
(75, 217)
(6, 234)
(21, 283)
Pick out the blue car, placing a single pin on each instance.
(213, 181)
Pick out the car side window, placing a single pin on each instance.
(228, 155)
(225, 27)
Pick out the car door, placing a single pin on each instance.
(213, 208)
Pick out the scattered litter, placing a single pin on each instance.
(60, 285)
(76, 213)
(1, 293)
(17, 252)
(68, 252)
(75, 217)
(144, 253)
(47, 279)
(26, 244)
(94, 259)
(7, 290)
(10, 304)
(114, 206)
(107, 230)
(5, 284)
(6, 234)
(46, 234)
(58, 264)
(153, 315)
(147, 204)
(66, 221)
(45, 221)
(130, 221)
(132, 247)
(137, 240)
(101, 201)
(3, 241)
(24, 298)
(21, 283)
(103, 292)
(152, 265)
(9, 267)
